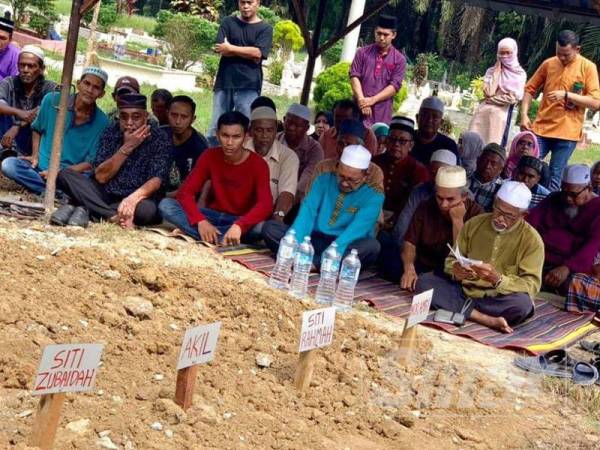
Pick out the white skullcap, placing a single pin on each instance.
(263, 112)
(36, 51)
(434, 103)
(443, 156)
(299, 110)
(356, 156)
(97, 72)
(515, 193)
(451, 177)
(576, 174)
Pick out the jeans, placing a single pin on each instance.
(561, 153)
(225, 100)
(171, 211)
(368, 248)
(21, 172)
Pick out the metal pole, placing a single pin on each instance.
(59, 127)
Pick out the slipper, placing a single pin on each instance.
(596, 364)
(590, 346)
(584, 374)
(555, 363)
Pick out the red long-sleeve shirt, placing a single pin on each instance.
(237, 189)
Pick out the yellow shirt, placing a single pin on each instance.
(517, 254)
(553, 119)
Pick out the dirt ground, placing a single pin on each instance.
(61, 285)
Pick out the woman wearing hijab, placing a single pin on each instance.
(470, 146)
(323, 121)
(523, 144)
(504, 85)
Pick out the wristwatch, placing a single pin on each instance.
(279, 214)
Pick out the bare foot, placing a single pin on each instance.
(497, 323)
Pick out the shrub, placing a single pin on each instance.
(331, 85)
(463, 80)
(107, 16)
(276, 71)
(268, 15)
(532, 113)
(477, 86)
(287, 37)
(333, 54)
(400, 96)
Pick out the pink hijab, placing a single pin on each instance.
(507, 73)
(514, 157)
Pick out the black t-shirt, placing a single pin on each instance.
(423, 152)
(236, 72)
(185, 156)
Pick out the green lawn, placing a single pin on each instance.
(587, 156)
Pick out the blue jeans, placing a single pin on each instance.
(171, 210)
(561, 153)
(229, 100)
(21, 172)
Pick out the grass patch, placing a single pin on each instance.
(588, 156)
(136, 22)
(63, 7)
(582, 398)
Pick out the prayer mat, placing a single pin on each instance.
(550, 327)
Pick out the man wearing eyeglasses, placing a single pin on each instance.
(498, 285)
(401, 171)
(569, 223)
(342, 205)
(131, 166)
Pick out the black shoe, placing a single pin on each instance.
(62, 215)
(79, 218)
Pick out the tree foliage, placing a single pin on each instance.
(331, 85)
(107, 16)
(187, 37)
(287, 37)
(41, 14)
(268, 15)
(208, 9)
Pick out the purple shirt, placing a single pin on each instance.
(9, 60)
(570, 242)
(375, 74)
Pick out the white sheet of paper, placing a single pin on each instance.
(463, 261)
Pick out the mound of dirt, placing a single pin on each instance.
(82, 290)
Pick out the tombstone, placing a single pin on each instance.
(169, 61)
(292, 77)
(456, 100)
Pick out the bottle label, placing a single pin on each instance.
(286, 252)
(349, 273)
(303, 259)
(330, 265)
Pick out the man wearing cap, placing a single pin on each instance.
(283, 162)
(377, 73)
(486, 180)
(341, 206)
(20, 99)
(529, 171)
(84, 124)
(435, 224)
(294, 136)
(569, 223)
(381, 131)
(188, 144)
(345, 110)
(243, 42)
(240, 194)
(401, 171)
(124, 85)
(390, 266)
(498, 285)
(351, 132)
(130, 168)
(428, 139)
(9, 52)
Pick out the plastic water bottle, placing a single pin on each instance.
(302, 264)
(330, 266)
(281, 273)
(344, 296)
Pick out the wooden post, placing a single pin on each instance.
(304, 369)
(46, 421)
(184, 389)
(91, 47)
(77, 9)
(407, 344)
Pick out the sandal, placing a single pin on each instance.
(555, 363)
(590, 346)
(585, 374)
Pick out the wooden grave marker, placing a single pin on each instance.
(63, 368)
(419, 311)
(317, 332)
(198, 347)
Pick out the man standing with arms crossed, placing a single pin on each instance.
(376, 74)
(243, 42)
(570, 85)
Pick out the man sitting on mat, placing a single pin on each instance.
(506, 275)
(435, 224)
(569, 223)
(131, 168)
(240, 195)
(342, 206)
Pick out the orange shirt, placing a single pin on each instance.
(554, 119)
